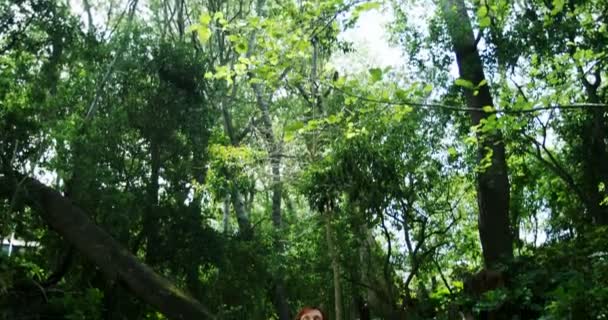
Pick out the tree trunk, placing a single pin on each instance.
(238, 203)
(226, 215)
(492, 183)
(242, 218)
(331, 248)
(364, 267)
(113, 259)
(273, 146)
(87, 9)
(277, 221)
(595, 167)
(362, 308)
(179, 6)
(151, 219)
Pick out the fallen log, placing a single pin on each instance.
(114, 260)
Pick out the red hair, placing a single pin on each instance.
(307, 309)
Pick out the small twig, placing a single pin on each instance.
(258, 223)
(13, 202)
(443, 279)
(520, 90)
(100, 87)
(42, 290)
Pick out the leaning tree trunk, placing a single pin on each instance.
(114, 260)
(492, 183)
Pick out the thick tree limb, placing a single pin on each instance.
(97, 245)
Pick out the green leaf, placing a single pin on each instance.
(192, 28)
(558, 6)
(205, 19)
(222, 72)
(452, 152)
(222, 21)
(334, 118)
(464, 83)
(368, 6)
(294, 126)
(289, 136)
(428, 88)
(482, 83)
(351, 134)
(485, 22)
(291, 130)
(402, 111)
(240, 69)
(488, 109)
(255, 80)
(241, 48)
(376, 74)
(218, 15)
(401, 94)
(470, 140)
(204, 33)
(482, 11)
(349, 101)
(458, 284)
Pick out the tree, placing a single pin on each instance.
(493, 194)
(223, 143)
(571, 60)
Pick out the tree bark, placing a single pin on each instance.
(151, 219)
(273, 146)
(87, 9)
(242, 217)
(236, 195)
(335, 265)
(226, 215)
(179, 6)
(492, 183)
(113, 259)
(595, 167)
(277, 222)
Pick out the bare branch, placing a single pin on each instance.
(101, 85)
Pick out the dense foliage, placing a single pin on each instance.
(209, 159)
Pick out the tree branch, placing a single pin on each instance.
(572, 106)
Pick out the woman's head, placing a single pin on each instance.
(311, 313)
